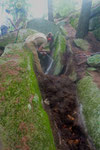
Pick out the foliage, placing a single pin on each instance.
(64, 7)
(89, 96)
(74, 21)
(94, 61)
(23, 122)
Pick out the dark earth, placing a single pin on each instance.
(60, 102)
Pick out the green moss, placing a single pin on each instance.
(60, 48)
(8, 49)
(74, 22)
(14, 38)
(22, 117)
(63, 31)
(83, 44)
(24, 33)
(89, 96)
(94, 61)
(91, 69)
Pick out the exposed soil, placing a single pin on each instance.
(59, 94)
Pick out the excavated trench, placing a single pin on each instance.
(61, 103)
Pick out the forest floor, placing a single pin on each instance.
(60, 100)
(80, 56)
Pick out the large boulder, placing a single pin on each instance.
(83, 44)
(94, 23)
(43, 26)
(89, 96)
(23, 122)
(58, 53)
(94, 61)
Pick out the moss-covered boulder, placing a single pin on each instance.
(60, 48)
(43, 26)
(94, 23)
(83, 44)
(23, 122)
(94, 61)
(89, 96)
(16, 37)
(24, 33)
(97, 34)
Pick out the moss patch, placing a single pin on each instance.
(23, 122)
(16, 37)
(24, 33)
(89, 96)
(83, 44)
(60, 48)
(63, 31)
(94, 61)
(74, 22)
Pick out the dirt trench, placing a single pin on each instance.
(60, 102)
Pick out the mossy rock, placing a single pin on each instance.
(91, 69)
(24, 33)
(23, 121)
(97, 34)
(94, 61)
(43, 26)
(89, 96)
(15, 37)
(83, 44)
(60, 48)
(94, 23)
(14, 46)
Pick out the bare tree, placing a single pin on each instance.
(83, 24)
(50, 11)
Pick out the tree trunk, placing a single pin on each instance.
(83, 24)
(50, 11)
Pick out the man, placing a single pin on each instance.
(6, 21)
(39, 40)
(50, 40)
(36, 43)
